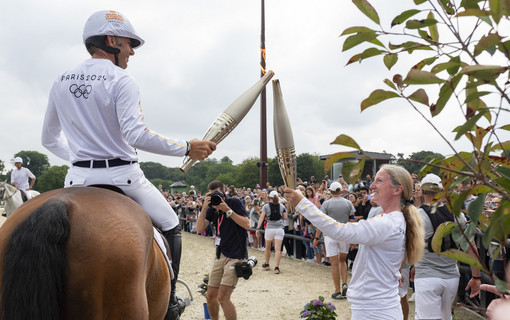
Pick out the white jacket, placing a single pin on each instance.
(375, 273)
(94, 113)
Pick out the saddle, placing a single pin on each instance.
(24, 197)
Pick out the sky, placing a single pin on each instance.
(199, 56)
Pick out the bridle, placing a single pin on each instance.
(5, 192)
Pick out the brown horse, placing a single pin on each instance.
(81, 253)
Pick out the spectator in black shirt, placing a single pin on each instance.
(363, 203)
(231, 221)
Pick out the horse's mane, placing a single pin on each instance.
(6, 185)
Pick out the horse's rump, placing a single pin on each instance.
(107, 260)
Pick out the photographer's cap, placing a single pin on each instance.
(335, 186)
(431, 182)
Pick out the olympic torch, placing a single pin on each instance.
(232, 116)
(283, 140)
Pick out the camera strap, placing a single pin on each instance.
(220, 220)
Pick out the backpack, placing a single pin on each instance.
(441, 215)
(275, 212)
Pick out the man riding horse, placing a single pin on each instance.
(94, 120)
(20, 176)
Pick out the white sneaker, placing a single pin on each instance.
(411, 298)
(309, 260)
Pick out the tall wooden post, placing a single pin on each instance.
(263, 124)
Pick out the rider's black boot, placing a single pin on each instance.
(175, 306)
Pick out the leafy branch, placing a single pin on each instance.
(474, 83)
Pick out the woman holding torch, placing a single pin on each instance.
(386, 241)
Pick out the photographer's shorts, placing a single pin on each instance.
(334, 247)
(223, 272)
(271, 234)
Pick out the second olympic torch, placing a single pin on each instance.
(232, 116)
(283, 139)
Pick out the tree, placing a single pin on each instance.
(274, 176)
(35, 161)
(2, 167)
(309, 165)
(154, 170)
(459, 70)
(248, 173)
(413, 164)
(53, 178)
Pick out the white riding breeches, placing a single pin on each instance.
(28, 194)
(132, 181)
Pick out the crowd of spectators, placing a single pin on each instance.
(188, 206)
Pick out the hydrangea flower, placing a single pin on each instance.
(204, 285)
(317, 309)
(306, 314)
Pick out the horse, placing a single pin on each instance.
(81, 253)
(12, 197)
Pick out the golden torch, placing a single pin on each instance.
(283, 140)
(232, 116)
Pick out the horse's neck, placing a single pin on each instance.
(13, 201)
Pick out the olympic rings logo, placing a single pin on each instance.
(81, 91)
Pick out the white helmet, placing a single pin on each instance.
(110, 23)
(18, 159)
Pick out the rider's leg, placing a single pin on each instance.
(173, 237)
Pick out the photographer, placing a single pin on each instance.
(229, 218)
(362, 204)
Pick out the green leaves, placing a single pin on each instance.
(420, 96)
(468, 125)
(417, 24)
(487, 43)
(434, 34)
(347, 141)
(365, 7)
(442, 230)
(445, 93)
(358, 38)
(421, 77)
(351, 170)
(376, 97)
(446, 42)
(462, 257)
(370, 52)
(404, 16)
(390, 59)
(352, 30)
(486, 73)
(499, 8)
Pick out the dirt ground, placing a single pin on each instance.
(266, 295)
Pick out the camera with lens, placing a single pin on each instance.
(216, 198)
(244, 268)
